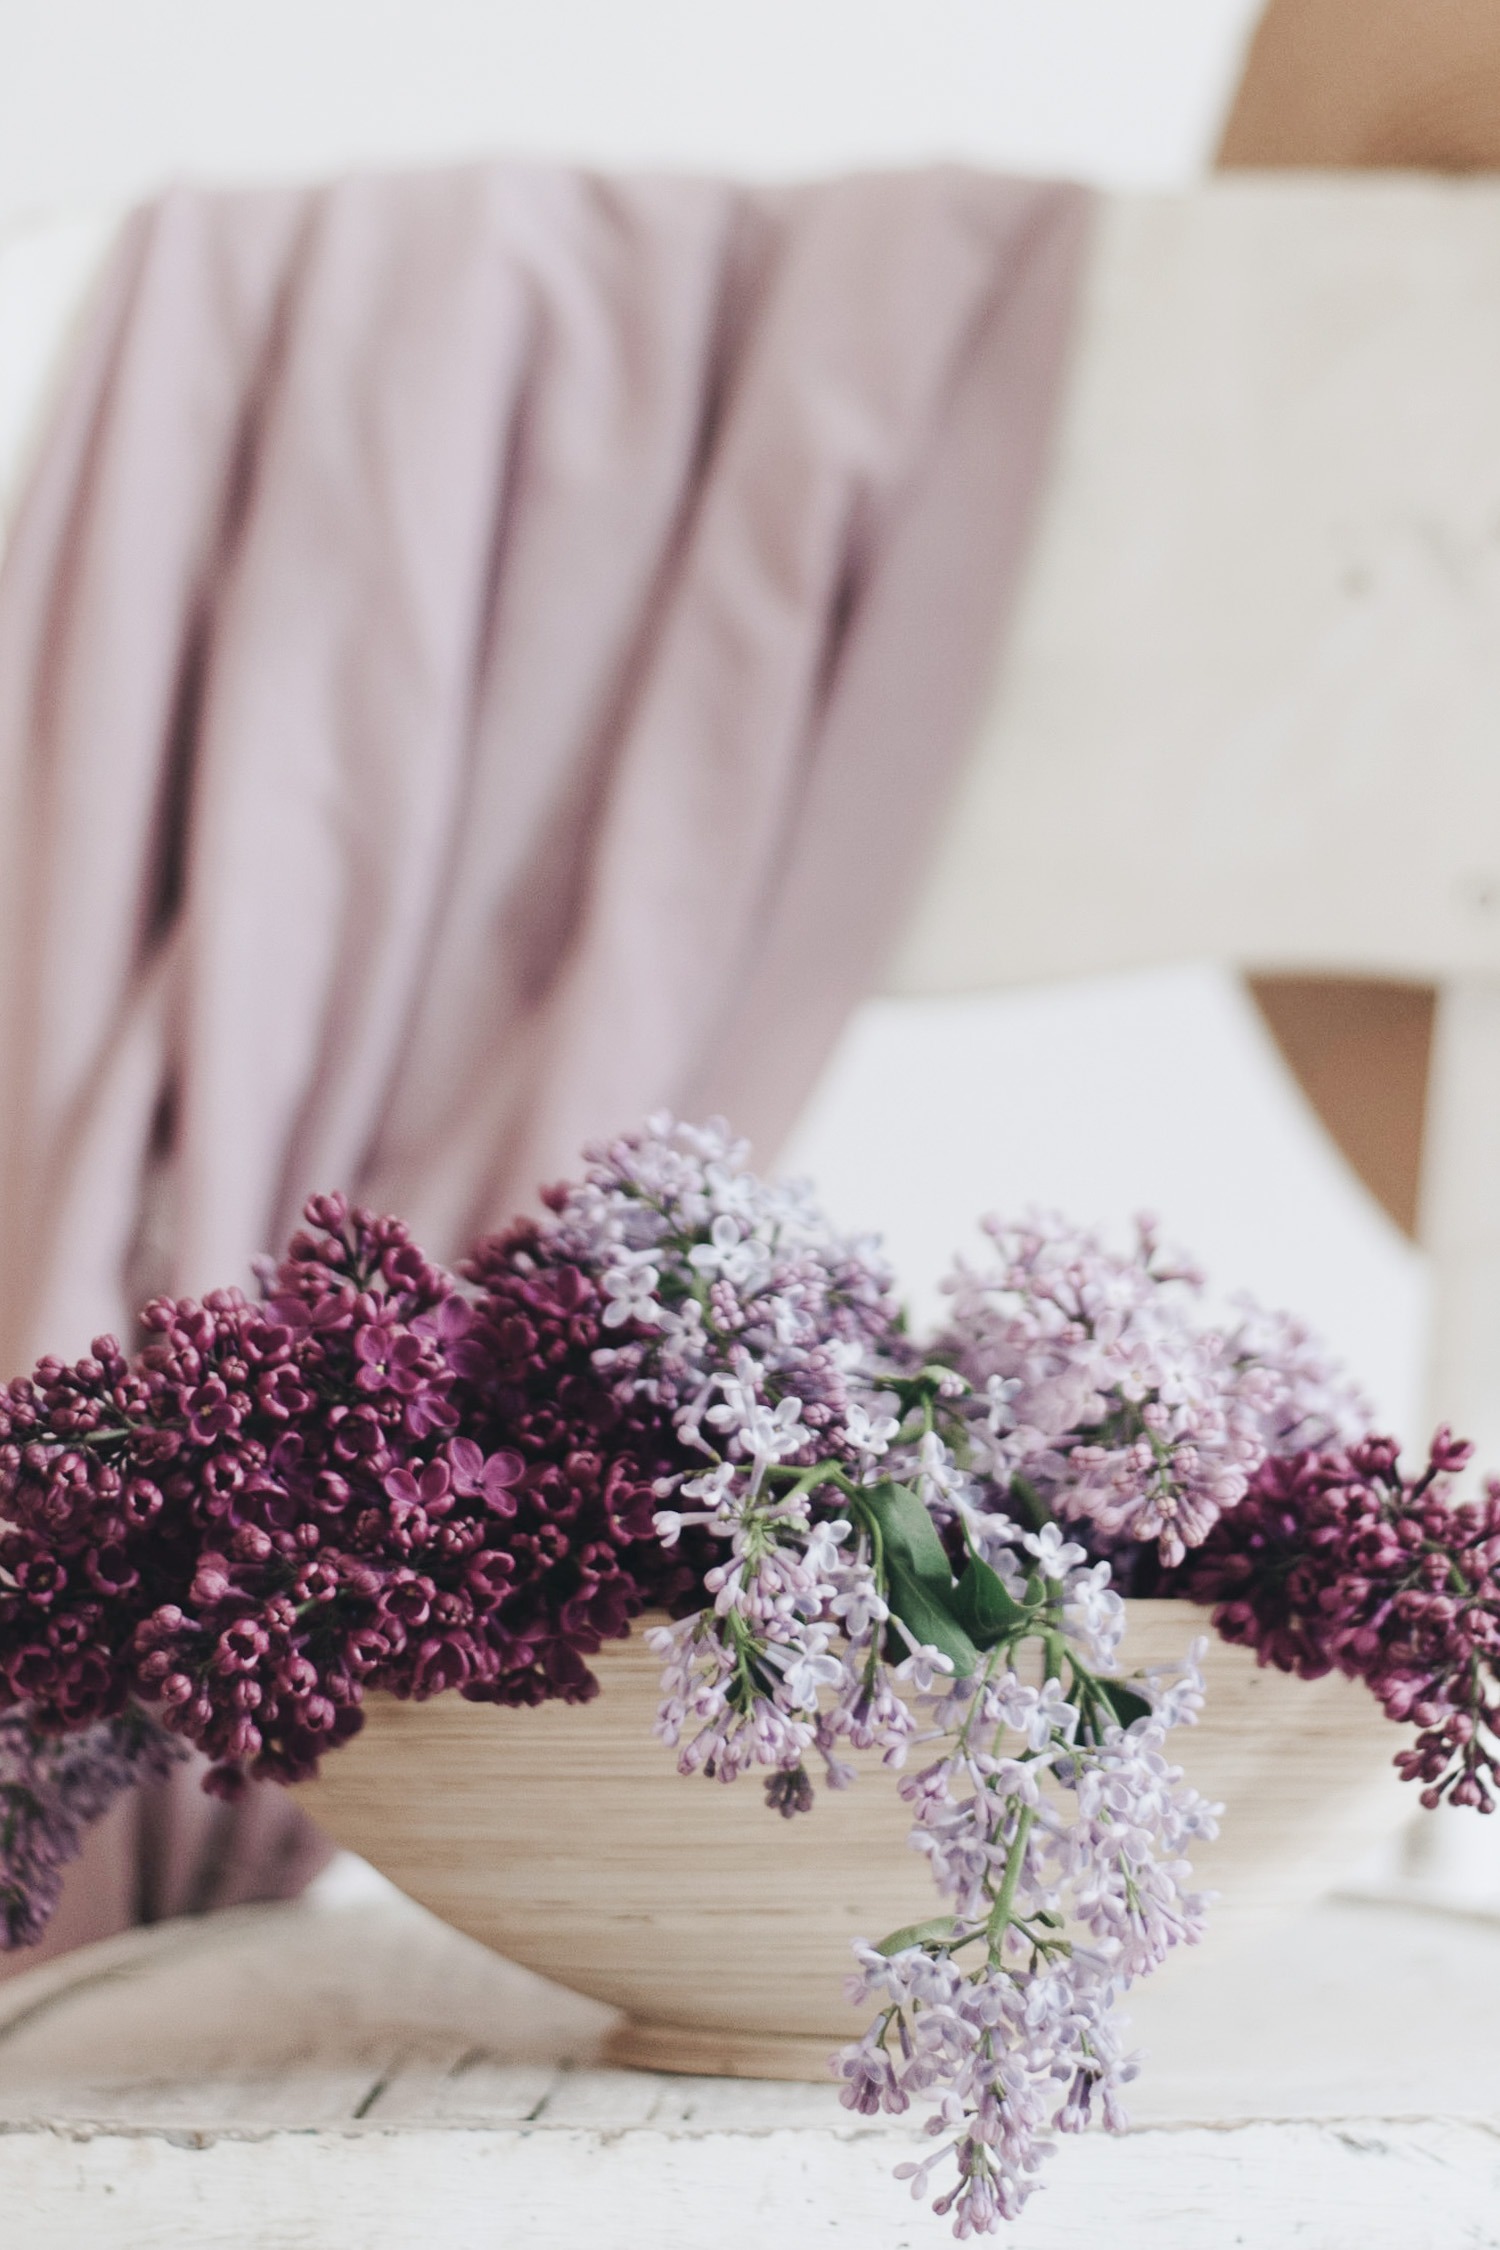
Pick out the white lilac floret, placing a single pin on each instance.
(1102, 1391)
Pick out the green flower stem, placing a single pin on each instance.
(807, 1480)
(999, 1918)
(1032, 1501)
(747, 1687)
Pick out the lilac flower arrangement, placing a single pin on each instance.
(679, 1392)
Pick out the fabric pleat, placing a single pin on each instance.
(482, 657)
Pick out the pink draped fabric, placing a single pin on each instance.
(480, 659)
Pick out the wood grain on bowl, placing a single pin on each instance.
(565, 1838)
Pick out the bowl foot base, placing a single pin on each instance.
(699, 2053)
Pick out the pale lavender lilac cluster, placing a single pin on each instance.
(768, 1340)
(1057, 1831)
(1054, 1825)
(1059, 1845)
(1101, 1390)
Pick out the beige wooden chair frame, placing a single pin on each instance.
(1251, 706)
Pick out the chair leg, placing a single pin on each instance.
(1460, 1214)
(1449, 1856)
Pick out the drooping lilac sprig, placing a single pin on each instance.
(1057, 1831)
(840, 1618)
(1059, 1841)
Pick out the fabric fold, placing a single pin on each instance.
(481, 658)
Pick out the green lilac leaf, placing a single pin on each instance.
(1126, 1705)
(928, 1617)
(909, 1535)
(936, 1932)
(987, 1612)
(918, 1580)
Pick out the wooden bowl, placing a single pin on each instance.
(565, 1838)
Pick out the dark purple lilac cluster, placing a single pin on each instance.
(1336, 1561)
(369, 1479)
(587, 1552)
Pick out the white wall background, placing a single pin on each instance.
(100, 98)
(1158, 1092)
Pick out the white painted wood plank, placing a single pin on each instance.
(607, 2100)
(1461, 1212)
(474, 2089)
(747, 2105)
(1362, 2185)
(298, 2096)
(1355, 2006)
(282, 2014)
